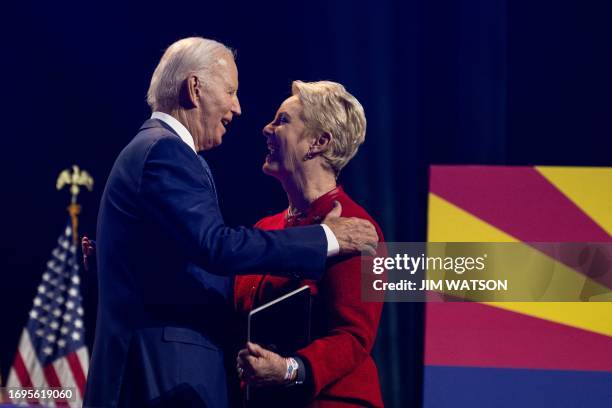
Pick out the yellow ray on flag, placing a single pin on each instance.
(590, 188)
(449, 223)
(592, 316)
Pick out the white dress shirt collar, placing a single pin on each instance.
(177, 127)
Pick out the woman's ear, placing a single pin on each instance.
(321, 142)
(190, 96)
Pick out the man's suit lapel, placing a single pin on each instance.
(211, 180)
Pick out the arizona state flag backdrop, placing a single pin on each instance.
(519, 354)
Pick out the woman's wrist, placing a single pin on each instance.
(296, 371)
(291, 373)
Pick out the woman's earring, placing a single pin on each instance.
(309, 154)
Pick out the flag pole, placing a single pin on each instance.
(74, 210)
(75, 179)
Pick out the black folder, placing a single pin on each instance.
(282, 325)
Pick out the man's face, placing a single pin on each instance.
(218, 102)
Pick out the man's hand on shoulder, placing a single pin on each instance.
(354, 235)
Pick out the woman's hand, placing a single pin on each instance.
(88, 248)
(260, 367)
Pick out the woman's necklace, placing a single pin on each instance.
(295, 214)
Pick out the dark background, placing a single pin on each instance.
(509, 82)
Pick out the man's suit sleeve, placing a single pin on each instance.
(176, 195)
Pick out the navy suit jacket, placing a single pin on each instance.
(165, 259)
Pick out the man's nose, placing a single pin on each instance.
(236, 107)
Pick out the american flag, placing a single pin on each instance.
(52, 351)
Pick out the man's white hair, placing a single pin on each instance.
(189, 56)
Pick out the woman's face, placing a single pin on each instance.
(287, 139)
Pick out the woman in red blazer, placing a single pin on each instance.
(314, 134)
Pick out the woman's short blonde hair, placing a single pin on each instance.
(328, 107)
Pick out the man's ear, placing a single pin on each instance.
(321, 142)
(191, 92)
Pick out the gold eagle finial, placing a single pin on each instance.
(75, 179)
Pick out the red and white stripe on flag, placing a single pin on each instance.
(66, 372)
(69, 371)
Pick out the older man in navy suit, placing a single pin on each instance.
(164, 254)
